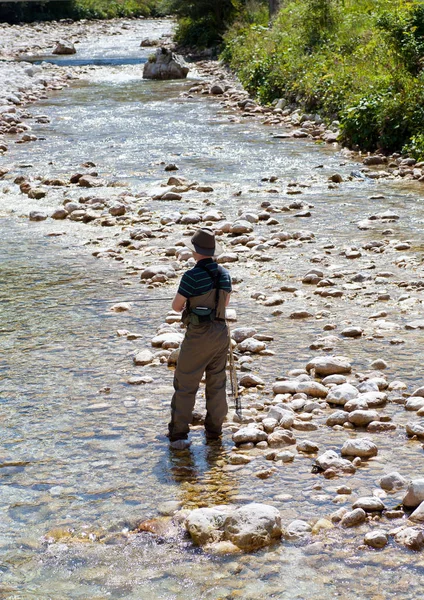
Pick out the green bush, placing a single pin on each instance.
(356, 60)
(415, 147)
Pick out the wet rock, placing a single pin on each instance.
(415, 428)
(312, 388)
(414, 403)
(64, 47)
(362, 447)
(285, 456)
(35, 215)
(251, 380)
(307, 447)
(301, 314)
(242, 333)
(280, 438)
(352, 332)
(418, 515)
(369, 504)
(414, 494)
(89, 181)
(142, 358)
(331, 460)
(121, 307)
(217, 89)
(338, 417)
(361, 418)
(342, 394)
(168, 340)
(59, 214)
(205, 525)
(285, 387)
(239, 459)
(251, 345)
(297, 529)
(410, 537)
(354, 518)
(376, 539)
(329, 365)
(392, 481)
(249, 434)
(164, 64)
(379, 364)
(253, 526)
(154, 270)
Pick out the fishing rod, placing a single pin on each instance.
(94, 302)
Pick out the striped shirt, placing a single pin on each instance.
(197, 282)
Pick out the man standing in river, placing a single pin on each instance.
(203, 294)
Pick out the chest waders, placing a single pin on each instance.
(203, 352)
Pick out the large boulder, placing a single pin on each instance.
(165, 65)
(64, 47)
(253, 526)
(249, 527)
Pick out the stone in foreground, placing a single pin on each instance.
(249, 527)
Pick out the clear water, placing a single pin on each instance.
(82, 449)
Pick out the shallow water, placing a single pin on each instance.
(80, 448)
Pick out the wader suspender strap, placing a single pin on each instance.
(215, 279)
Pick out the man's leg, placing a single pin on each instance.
(188, 373)
(216, 396)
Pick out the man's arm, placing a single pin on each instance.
(227, 300)
(178, 302)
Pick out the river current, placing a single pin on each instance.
(80, 449)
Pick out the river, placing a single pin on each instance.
(83, 453)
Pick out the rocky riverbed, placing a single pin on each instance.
(328, 291)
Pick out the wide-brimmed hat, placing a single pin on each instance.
(203, 242)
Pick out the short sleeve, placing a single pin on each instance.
(186, 288)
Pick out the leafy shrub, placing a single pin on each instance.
(415, 147)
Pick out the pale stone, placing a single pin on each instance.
(307, 447)
(251, 345)
(369, 504)
(331, 460)
(410, 537)
(165, 64)
(415, 428)
(361, 418)
(312, 388)
(338, 417)
(205, 525)
(253, 526)
(242, 333)
(286, 387)
(249, 434)
(376, 539)
(414, 494)
(342, 394)
(280, 437)
(362, 447)
(144, 357)
(329, 365)
(354, 518)
(418, 514)
(392, 481)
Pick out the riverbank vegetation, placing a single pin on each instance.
(15, 12)
(359, 61)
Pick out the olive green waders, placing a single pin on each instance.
(203, 350)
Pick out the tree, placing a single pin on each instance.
(203, 22)
(274, 5)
